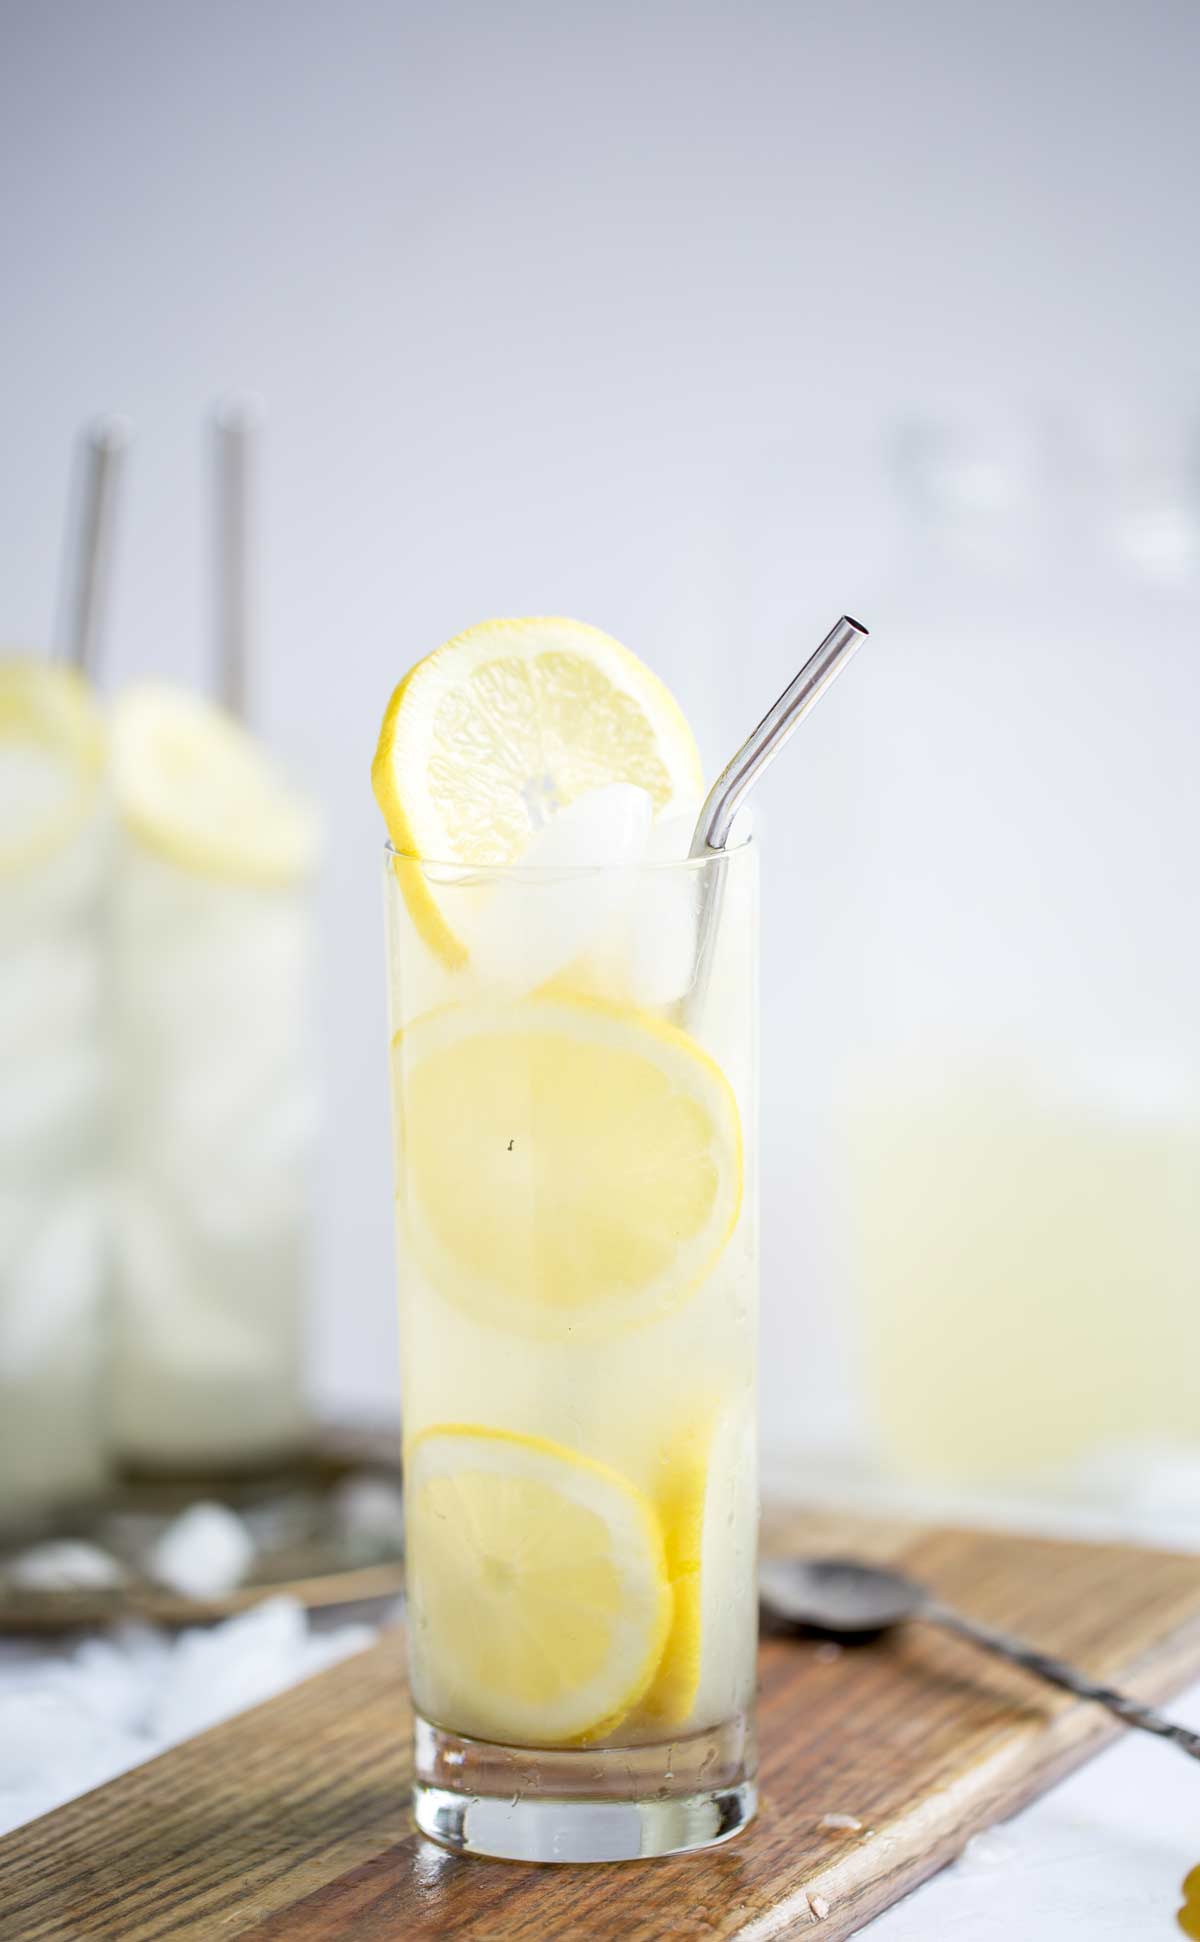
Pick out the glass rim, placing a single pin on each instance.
(555, 872)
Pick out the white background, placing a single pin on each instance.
(612, 311)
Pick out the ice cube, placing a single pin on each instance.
(660, 943)
(52, 1748)
(670, 838)
(663, 921)
(66, 1564)
(609, 825)
(118, 1700)
(520, 936)
(294, 1517)
(370, 1512)
(666, 923)
(115, 1677)
(322, 1649)
(987, 1853)
(214, 1674)
(203, 1552)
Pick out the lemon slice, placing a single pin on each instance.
(537, 1585)
(195, 786)
(705, 1502)
(505, 723)
(51, 758)
(570, 1168)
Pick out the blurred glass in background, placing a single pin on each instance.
(157, 1063)
(54, 1043)
(215, 1111)
(1020, 1106)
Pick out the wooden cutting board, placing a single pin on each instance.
(291, 1823)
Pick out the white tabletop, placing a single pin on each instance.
(1101, 1856)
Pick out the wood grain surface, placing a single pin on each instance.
(291, 1823)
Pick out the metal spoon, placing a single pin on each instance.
(841, 1595)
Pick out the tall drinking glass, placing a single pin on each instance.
(54, 868)
(576, 1221)
(215, 1110)
(215, 1125)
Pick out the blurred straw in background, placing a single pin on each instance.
(54, 1038)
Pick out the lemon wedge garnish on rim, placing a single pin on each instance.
(491, 733)
(538, 1578)
(571, 1168)
(196, 787)
(51, 759)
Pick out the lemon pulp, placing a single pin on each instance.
(195, 787)
(51, 757)
(492, 732)
(568, 1167)
(538, 1585)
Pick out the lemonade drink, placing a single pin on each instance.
(1027, 1243)
(575, 1215)
(54, 856)
(215, 1113)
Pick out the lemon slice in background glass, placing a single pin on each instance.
(572, 1168)
(537, 1584)
(51, 760)
(507, 722)
(196, 787)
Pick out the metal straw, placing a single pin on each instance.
(234, 426)
(89, 545)
(724, 798)
(737, 777)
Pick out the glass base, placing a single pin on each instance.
(519, 1803)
